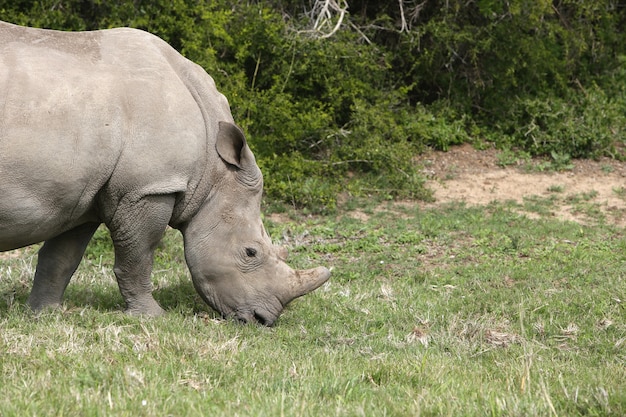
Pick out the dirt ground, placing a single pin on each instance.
(475, 177)
(464, 174)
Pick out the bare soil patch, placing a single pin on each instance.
(464, 174)
(474, 177)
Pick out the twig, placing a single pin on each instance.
(403, 26)
(342, 13)
(293, 58)
(256, 71)
(322, 14)
(353, 26)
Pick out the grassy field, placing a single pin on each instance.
(452, 311)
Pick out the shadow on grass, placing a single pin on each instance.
(178, 297)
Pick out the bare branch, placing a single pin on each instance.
(324, 13)
(403, 26)
(353, 26)
(415, 13)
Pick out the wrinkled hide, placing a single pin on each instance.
(116, 127)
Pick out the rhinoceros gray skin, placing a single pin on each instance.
(116, 127)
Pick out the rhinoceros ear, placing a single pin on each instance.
(230, 144)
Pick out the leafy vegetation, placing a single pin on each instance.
(338, 96)
(446, 311)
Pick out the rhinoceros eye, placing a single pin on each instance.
(251, 252)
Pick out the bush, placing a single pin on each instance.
(346, 105)
(586, 124)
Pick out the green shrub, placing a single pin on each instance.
(588, 124)
(349, 112)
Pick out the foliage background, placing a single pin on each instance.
(339, 96)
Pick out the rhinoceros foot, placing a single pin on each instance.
(145, 308)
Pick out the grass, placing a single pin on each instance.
(451, 311)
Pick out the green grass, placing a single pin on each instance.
(452, 311)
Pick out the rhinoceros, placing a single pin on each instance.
(115, 127)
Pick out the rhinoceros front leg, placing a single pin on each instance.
(136, 229)
(58, 259)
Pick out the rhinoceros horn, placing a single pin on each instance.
(305, 281)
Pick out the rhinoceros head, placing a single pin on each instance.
(234, 265)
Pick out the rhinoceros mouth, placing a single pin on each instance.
(243, 316)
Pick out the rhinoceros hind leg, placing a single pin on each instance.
(58, 259)
(136, 231)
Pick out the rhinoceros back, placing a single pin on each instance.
(85, 114)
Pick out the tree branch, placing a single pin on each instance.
(323, 14)
(403, 25)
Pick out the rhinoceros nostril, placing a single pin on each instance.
(261, 319)
(239, 316)
(255, 317)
